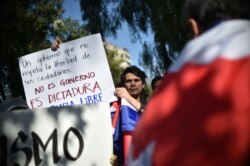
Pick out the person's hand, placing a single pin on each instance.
(113, 160)
(122, 93)
(56, 44)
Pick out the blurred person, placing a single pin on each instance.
(201, 113)
(155, 83)
(13, 104)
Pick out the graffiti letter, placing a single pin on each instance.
(37, 141)
(65, 144)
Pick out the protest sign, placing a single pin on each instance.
(77, 73)
(79, 135)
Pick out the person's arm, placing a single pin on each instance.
(123, 93)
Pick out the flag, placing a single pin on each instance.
(129, 116)
(124, 119)
(201, 112)
(115, 112)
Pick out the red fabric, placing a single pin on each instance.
(200, 116)
(127, 137)
(117, 106)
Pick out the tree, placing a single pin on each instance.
(163, 18)
(149, 60)
(68, 29)
(114, 64)
(29, 26)
(26, 26)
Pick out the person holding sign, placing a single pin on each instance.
(127, 110)
(130, 101)
(56, 44)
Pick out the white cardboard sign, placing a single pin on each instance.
(77, 73)
(79, 135)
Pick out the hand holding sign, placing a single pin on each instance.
(76, 73)
(56, 44)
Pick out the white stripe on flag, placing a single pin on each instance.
(229, 40)
(126, 103)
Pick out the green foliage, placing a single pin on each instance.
(100, 17)
(26, 27)
(114, 65)
(163, 18)
(149, 60)
(69, 29)
(147, 92)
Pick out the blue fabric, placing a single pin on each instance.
(129, 117)
(127, 121)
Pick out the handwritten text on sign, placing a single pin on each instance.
(57, 136)
(77, 73)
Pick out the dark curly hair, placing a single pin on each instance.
(134, 70)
